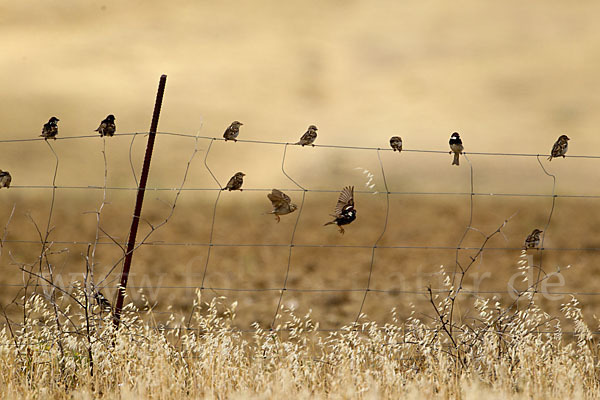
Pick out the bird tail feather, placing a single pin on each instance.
(455, 162)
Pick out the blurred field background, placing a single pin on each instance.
(510, 77)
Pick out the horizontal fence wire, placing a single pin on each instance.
(292, 244)
(270, 142)
(300, 245)
(198, 189)
(312, 290)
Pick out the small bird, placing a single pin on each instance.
(456, 146)
(236, 182)
(344, 209)
(560, 147)
(309, 136)
(102, 301)
(533, 240)
(107, 126)
(232, 132)
(50, 129)
(5, 179)
(396, 143)
(282, 204)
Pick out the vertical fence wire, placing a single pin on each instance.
(289, 260)
(541, 251)
(457, 265)
(385, 224)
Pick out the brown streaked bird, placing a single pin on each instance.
(50, 129)
(107, 126)
(456, 146)
(560, 147)
(309, 136)
(396, 143)
(5, 179)
(102, 301)
(232, 131)
(345, 212)
(236, 182)
(282, 204)
(533, 240)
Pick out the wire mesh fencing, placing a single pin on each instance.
(378, 247)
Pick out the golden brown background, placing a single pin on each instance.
(509, 76)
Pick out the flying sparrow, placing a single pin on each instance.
(309, 136)
(5, 179)
(232, 132)
(533, 240)
(560, 147)
(282, 204)
(344, 209)
(50, 129)
(102, 301)
(456, 146)
(396, 143)
(107, 126)
(236, 182)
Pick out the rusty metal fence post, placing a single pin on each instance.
(138, 202)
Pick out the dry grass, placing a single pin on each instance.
(408, 358)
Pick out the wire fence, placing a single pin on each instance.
(292, 244)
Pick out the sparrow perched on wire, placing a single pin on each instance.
(344, 209)
(456, 146)
(396, 143)
(232, 132)
(5, 179)
(560, 147)
(533, 240)
(50, 129)
(309, 136)
(107, 126)
(102, 301)
(282, 204)
(236, 182)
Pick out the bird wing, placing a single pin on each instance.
(231, 182)
(278, 198)
(346, 199)
(307, 136)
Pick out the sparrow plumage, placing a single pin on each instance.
(309, 136)
(396, 143)
(236, 182)
(232, 132)
(456, 146)
(107, 126)
(102, 301)
(5, 179)
(282, 204)
(533, 240)
(50, 129)
(560, 147)
(345, 212)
